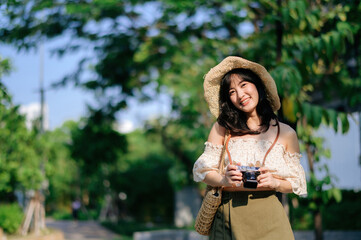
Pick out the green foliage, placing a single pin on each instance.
(97, 142)
(143, 177)
(348, 210)
(301, 218)
(5, 67)
(61, 169)
(142, 172)
(11, 216)
(19, 161)
(61, 215)
(96, 146)
(20, 164)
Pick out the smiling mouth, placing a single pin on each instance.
(245, 102)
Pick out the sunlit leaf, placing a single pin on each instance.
(344, 122)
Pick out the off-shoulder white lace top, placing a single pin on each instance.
(247, 152)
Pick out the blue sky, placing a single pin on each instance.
(23, 83)
(68, 102)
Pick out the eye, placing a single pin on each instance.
(243, 84)
(231, 92)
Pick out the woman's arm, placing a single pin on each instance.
(231, 177)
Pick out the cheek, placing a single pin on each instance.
(233, 99)
(254, 91)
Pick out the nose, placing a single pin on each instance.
(240, 93)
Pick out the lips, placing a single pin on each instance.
(244, 102)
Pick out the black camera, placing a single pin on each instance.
(249, 176)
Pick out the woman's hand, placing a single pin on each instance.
(266, 179)
(232, 177)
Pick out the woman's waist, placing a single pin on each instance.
(242, 189)
(249, 194)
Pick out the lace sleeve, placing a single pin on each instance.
(298, 181)
(207, 162)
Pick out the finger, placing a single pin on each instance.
(231, 168)
(263, 181)
(236, 178)
(235, 173)
(262, 176)
(265, 174)
(264, 184)
(263, 169)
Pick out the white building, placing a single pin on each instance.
(32, 112)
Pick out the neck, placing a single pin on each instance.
(253, 121)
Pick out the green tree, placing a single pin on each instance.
(61, 169)
(96, 146)
(143, 175)
(316, 69)
(20, 164)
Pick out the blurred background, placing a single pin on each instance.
(102, 112)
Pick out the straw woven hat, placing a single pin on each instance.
(213, 78)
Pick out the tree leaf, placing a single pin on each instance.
(337, 194)
(344, 122)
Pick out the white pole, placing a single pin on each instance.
(41, 80)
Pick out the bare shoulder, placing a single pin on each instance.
(288, 137)
(286, 130)
(216, 136)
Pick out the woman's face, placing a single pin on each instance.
(243, 94)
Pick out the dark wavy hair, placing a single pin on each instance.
(234, 119)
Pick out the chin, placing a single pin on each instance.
(248, 109)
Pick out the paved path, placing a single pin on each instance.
(299, 235)
(82, 230)
(91, 230)
(329, 235)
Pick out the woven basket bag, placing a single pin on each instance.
(211, 201)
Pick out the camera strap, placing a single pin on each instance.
(265, 156)
(228, 153)
(274, 142)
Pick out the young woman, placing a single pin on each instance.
(243, 96)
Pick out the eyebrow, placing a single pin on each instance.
(241, 81)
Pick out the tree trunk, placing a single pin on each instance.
(318, 225)
(279, 32)
(317, 217)
(35, 214)
(279, 35)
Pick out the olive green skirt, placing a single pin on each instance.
(251, 215)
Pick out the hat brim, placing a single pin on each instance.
(213, 78)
